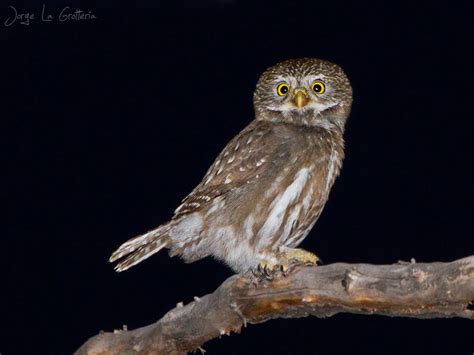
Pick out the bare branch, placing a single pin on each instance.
(420, 290)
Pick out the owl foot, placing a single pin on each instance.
(268, 270)
(286, 260)
(297, 256)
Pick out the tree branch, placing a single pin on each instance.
(420, 290)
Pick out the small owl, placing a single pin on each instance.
(266, 189)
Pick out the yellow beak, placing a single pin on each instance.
(300, 98)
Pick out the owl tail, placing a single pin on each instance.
(142, 247)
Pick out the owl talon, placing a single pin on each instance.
(267, 271)
(285, 270)
(286, 260)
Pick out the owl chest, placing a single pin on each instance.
(322, 172)
(323, 159)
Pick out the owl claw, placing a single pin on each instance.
(287, 259)
(285, 270)
(266, 271)
(269, 271)
(262, 271)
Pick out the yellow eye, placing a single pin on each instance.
(318, 87)
(283, 89)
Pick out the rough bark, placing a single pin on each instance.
(420, 290)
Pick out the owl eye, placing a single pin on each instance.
(283, 89)
(318, 87)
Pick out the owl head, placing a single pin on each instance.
(306, 91)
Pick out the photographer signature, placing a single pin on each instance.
(65, 15)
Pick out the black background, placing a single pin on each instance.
(108, 124)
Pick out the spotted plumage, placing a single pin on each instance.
(266, 189)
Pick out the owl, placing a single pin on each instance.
(268, 186)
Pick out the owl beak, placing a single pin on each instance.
(300, 98)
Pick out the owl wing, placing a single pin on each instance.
(240, 162)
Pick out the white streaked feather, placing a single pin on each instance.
(292, 218)
(333, 160)
(308, 199)
(279, 206)
(248, 227)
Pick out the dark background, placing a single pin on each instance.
(107, 124)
